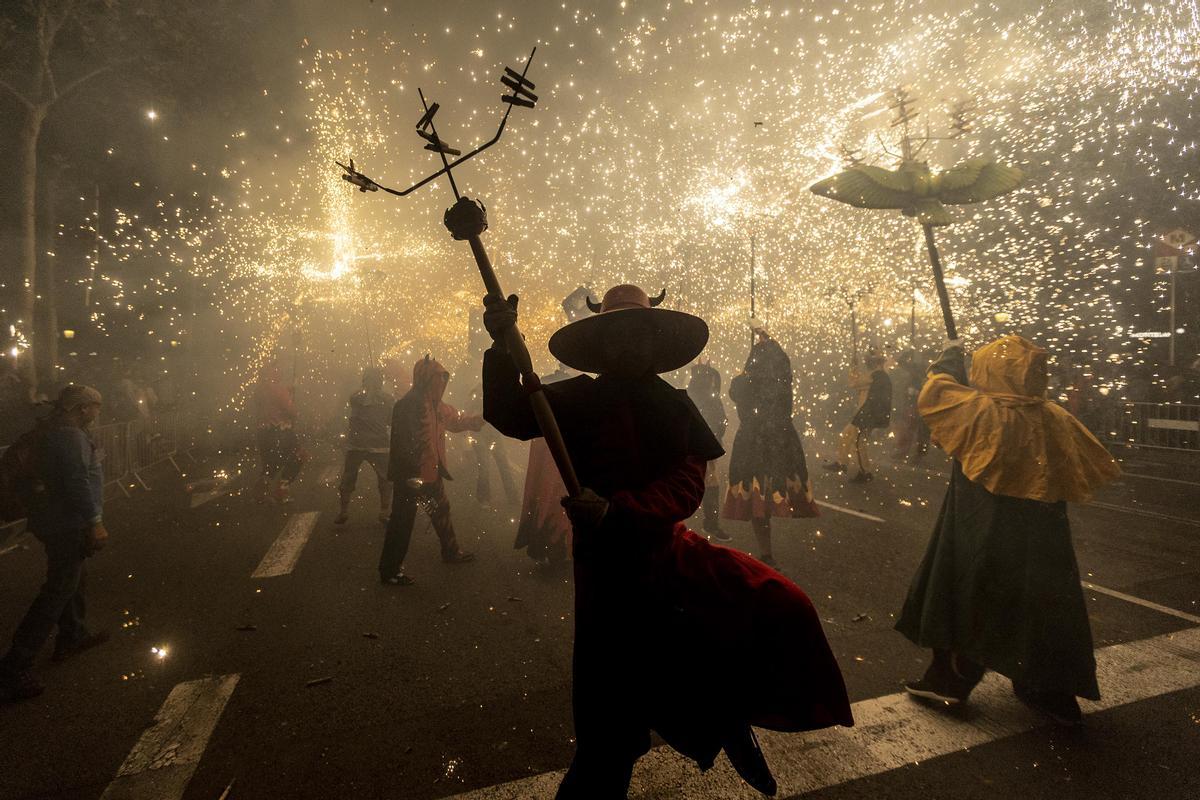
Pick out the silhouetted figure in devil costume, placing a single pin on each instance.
(653, 600)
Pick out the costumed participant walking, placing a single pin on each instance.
(768, 474)
(544, 531)
(652, 599)
(704, 389)
(65, 502)
(417, 469)
(278, 447)
(873, 412)
(999, 587)
(367, 440)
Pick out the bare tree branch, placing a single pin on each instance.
(25, 101)
(87, 76)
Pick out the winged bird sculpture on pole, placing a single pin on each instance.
(917, 191)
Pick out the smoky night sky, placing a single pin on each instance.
(666, 136)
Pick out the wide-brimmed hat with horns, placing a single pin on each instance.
(678, 337)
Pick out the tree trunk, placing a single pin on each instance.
(27, 170)
(49, 244)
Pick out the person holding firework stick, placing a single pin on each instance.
(652, 598)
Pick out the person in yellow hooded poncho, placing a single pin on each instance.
(999, 587)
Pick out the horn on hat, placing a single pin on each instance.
(655, 301)
(593, 305)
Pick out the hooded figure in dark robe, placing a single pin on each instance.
(652, 599)
(999, 587)
(768, 474)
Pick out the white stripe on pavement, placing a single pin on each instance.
(849, 511)
(894, 731)
(1128, 598)
(166, 756)
(1151, 514)
(285, 552)
(1156, 478)
(201, 498)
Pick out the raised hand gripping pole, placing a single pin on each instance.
(467, 220)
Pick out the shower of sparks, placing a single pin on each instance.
(666, 135)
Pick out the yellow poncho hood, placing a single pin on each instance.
(1008, 437)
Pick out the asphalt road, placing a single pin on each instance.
(460, 683)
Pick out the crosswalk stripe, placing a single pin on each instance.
(1195, 523)
(1128, 598)
(285, 552)
(164, 759)
(894, 731)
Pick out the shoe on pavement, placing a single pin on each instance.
(950, 679)
(341, 519)
(747, 758)
(1061, 707)
(62, 653)
(397, 580)
(938, 691)
(834, 466)
(19, 686)
(863, 477)
(458, 557)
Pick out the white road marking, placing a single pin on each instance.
(285, 552)
(166, 756)
(894, 731)
(1128, 598)
(1195, 523)
(201, 498)
(849, 511)
(1156, 478)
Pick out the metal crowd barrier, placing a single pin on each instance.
(1158, 426)
(129, 449)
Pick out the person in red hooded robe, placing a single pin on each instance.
(653, 600)
(417, 468)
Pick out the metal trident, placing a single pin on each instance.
(467, 220)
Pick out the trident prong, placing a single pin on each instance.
(521, 95)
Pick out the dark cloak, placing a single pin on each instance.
(654, 600)
(999, 584)
(768, 474)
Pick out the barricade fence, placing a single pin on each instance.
(1157, 426)
(128, 450)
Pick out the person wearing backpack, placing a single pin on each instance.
(67, 518)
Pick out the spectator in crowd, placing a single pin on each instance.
(367, 440)
(66, 515)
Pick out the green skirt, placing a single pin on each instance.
(999, 585)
